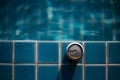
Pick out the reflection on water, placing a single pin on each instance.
(60, 20)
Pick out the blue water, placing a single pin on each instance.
(60, 20)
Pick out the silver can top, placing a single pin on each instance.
(75, 51)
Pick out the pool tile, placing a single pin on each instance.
(118, 36)
(24, 52)
(24, 72)
(48, 73)
(65, 59)
(71, 72)
(5, 52)
(114, 73)
(94, 72)
(95, 53)
(5, 72)
(47, 52)
(114, 52)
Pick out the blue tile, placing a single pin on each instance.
(48, 73)
(95, 53)
(114, 73)
(114, 52)
(24, 72)
(94, 72)
(118, 36)
(47, 52)
(65, 59)
(24, 52)
(71, 72)
(5, 51)
(5, 72)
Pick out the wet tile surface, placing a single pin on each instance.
(5, 72)
(5, 52)
(95, 73)
(48, 73)
(114, 52)
(54, 66)
(95, 53)
(48, 52)
(114, 73)
(24, 52)
(24, 72)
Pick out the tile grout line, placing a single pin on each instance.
(57, 64)
(13, 60)
(113, 64)
(106, 47)
(83, 64)
(36, 60)
(59, 56)
(95, 64)
(54, 41)
(6, 64)
(49, 64)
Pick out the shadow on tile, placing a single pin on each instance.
(67, 70)
(68, 61)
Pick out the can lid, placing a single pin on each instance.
(75, 51)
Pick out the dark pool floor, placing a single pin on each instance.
(97, 20)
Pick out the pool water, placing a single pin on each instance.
(88, 20)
